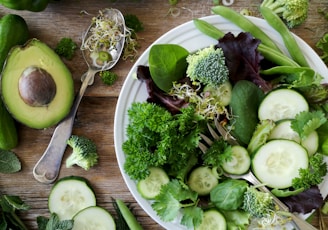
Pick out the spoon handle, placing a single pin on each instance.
(47, 168)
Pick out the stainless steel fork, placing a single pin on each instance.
(249, 176)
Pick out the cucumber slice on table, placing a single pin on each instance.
(69, 195)
(150, 187)
(277, 162)
(240, 161)
(93, 217)
(202, 180)
(212, 219)
(282, 104)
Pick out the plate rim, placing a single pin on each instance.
(131, 82)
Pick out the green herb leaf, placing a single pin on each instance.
(307, 122)
(167, 63)
(53, 223)
(9, 162)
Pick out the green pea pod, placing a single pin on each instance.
(13, 31)
(286, 192)
(289, 40)
(245, 24)
(268, 53)
(30, 5)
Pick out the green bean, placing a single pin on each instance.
(289, 40)
(267, 52)
(245, 24)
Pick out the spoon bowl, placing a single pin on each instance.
(100, 53)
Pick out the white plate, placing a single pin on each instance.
(192, 39)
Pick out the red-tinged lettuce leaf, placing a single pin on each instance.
(243, 59)
(304, 202)
(156, 95)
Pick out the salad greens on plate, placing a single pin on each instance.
(275, 109)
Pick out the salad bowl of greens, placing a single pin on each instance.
(177, 207)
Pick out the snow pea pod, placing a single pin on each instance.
(289, 40)
(245, 24)
(267, 52)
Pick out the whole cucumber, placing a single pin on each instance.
(13, 31)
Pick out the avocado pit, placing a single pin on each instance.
(36, 87)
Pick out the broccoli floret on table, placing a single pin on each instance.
(108, 77)
(293, 12)
(84, 152)
(207, 66)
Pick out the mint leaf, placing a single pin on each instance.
(307, 122)
(53, 223)
(9, 162)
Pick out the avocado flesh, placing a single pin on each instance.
(37, 54)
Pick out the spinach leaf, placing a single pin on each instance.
(167, 63)
(9, 162)
(229, 194)
(245, 100)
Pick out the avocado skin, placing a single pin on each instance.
(36, 53)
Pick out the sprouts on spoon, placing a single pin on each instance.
(103, 39)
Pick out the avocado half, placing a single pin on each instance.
(36, 86)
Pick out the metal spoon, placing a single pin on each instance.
(47, 168)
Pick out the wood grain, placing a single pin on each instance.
(95, 116)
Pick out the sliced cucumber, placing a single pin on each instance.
(212, 220)
(311, 143)
(93, 217)
(240, 161)
(284, 131)
(277, 162)
(222, 93)
(202, 180)
(69, 195)
(150, 187)
(282, 104)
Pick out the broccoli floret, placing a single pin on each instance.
(108, 77)
(66, 48)
(258, 204)
(293, 12)
(207, 66)
(84, 152)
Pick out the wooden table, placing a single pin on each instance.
(95, 116)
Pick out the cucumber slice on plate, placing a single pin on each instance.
(202, 180)
(283, 130)
(212, 219)
(150, 187)
(240, 161)
(93, 217)
(69, 195)
(282, 104)
(277, 162)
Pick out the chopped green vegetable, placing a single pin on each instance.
(218, 153)
(53, 223)
(324, 208)
(293, 12)
(133, 22)
(172, 198)
(84, 152)
(258, 204)
(228, 195)
(313, 175)
(66, 48)
(207, 66)
(9, 204)
(9, 162)
(157, 138)
(108, 77)
(306, 122)
(322, 44)
(125, 215)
